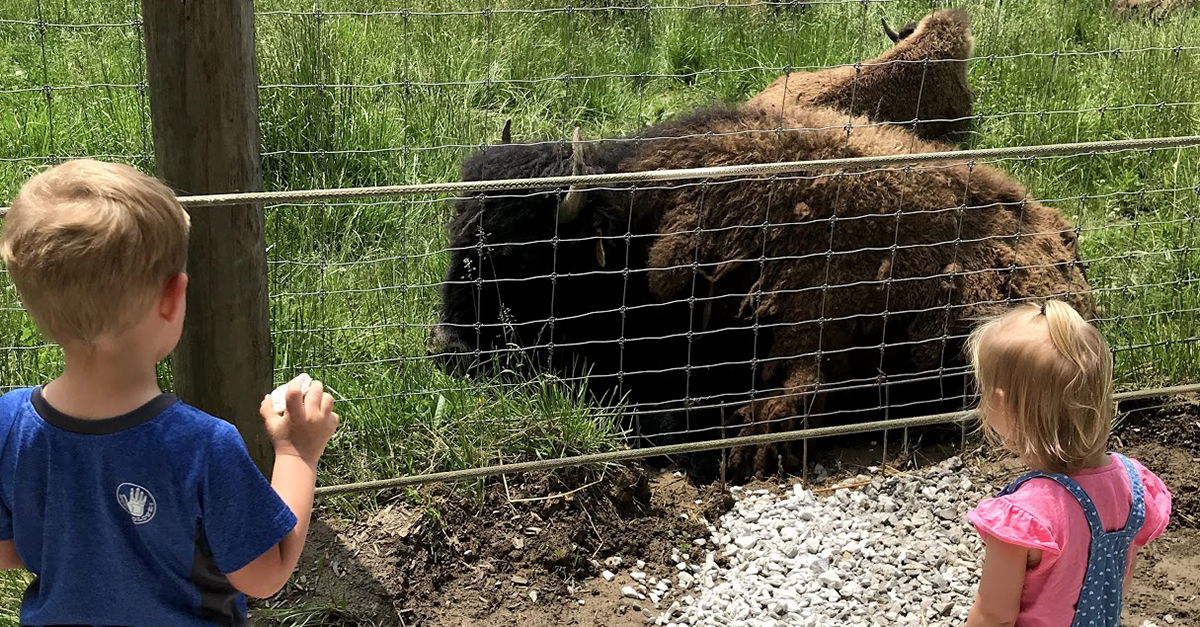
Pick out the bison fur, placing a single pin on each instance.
(742, 306)
(920, 83)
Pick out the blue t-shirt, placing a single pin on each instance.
(133, 520)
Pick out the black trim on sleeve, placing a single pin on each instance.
(105, 426)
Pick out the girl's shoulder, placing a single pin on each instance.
(1023, 518)
(1034, 509)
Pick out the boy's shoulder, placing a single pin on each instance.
(196, 429)
(12, 405)
(14, 398)
(197, 419)
(177, 421)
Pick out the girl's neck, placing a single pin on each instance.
(1099, 460)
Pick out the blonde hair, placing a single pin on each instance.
(1055, 371)
(88, 244)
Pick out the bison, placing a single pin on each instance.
(744, 305)
(738, 306)
(921, 82)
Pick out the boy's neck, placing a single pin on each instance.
(102, 382)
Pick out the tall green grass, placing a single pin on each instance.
(354, 284)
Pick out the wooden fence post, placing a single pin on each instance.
(204, 105)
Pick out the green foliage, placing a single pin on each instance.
(12, 586)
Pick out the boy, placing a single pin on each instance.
(131, 507)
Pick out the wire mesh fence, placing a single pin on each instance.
(677, 310)
(540, 298)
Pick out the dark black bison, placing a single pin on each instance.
(556, 281)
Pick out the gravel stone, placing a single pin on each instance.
(746, 542)
(897, 551)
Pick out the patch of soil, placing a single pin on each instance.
(1167, 441)
(527, 554)
(1167, 581)
(530, 554)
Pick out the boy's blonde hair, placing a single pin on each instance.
(90, 244)
(1055, 370)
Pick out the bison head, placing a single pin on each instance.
(905, 31)
(527, 266)
(920, 83)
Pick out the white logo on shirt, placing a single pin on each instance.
(137, 501)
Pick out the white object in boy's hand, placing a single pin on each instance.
(278, 400)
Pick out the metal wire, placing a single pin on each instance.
(546, 465)
(761, 169)
(385, 288)
(1040, 114)
(411, 13)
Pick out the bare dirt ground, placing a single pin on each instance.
(1167, 581)
(529, 554)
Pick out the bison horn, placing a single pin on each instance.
(571, 204)
(890, 33)
(506, 132)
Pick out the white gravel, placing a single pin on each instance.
(898, 551)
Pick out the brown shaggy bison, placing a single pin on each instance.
(920, 83)
(851, 270)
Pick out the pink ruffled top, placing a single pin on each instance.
(1042, 515)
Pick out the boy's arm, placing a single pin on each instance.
(9, 560)
(294, 480)
(300, 437)
(998, 601)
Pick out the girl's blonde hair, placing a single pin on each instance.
(1055, 371)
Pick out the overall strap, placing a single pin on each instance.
(1137, 503)
(1089, 507)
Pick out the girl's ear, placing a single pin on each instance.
(995, 401)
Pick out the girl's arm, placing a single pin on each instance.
(9, 560)
(998, 601)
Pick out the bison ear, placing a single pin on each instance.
(572, 203)
(506, 132)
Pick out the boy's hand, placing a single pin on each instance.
(305, 426)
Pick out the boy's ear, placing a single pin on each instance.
(174, 296)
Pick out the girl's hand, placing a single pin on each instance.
(998, 601)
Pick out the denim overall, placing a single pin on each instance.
(1100, 599)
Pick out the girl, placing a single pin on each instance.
(1061, 540)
